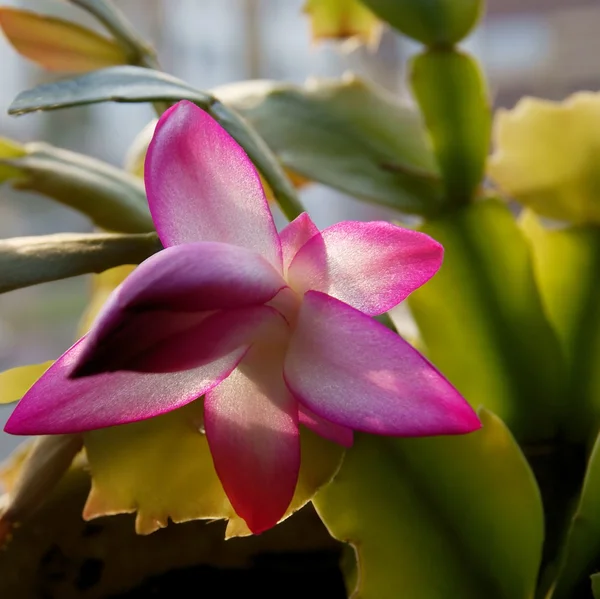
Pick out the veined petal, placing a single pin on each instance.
(251, 423)
(371, 266)
(294, 236)
(353, 371)
(57, 404)
(202, 186)
(328, 430)
(169, 294)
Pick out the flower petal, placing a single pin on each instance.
(251, 423)
(328, 430)
(349, 369)
(169, 294)
(57, 404)
(167, 342)
(371, 266)
(294, 236)
(202, 186)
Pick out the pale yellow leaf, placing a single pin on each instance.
(342, 19)
(162, 469)
(546, 156)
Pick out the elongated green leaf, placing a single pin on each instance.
(451, 92)
(567, 267)
(136, 84)
(114, 84)
(113, 199)
(347, 134)
(582, 545)
(16, 381)
(433, 22)
(483, 323)
(56, 44)
(438, 517)
(596, 586)
(26, 261)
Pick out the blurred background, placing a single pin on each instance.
(546, 48)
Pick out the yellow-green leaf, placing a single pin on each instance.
(438, 517)
(567, 267)
(596, 586)
(9, 149)
(483, 323)
(342, 19)
(433, 22)
(162, 469)
(14, 383)
(546, 156)
(451, 92)
(58, 45)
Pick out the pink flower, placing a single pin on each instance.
(274, 329)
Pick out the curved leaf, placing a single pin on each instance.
(26, 261)
(112, 198)
(114, 84)
(15, 382)
(56, 44)
(483, 324)
(347, 134)
(567, 263)
(136, 84)
(438, 517)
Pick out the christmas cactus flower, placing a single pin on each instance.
(275, 330)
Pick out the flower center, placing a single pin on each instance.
(287, 303)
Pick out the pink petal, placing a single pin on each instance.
(57, 404)
(168, 293)
(371, 266)
(349, 369)
(202, 186)
(251, 423)
(170, 342)
(294, 236)
(328, 430)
